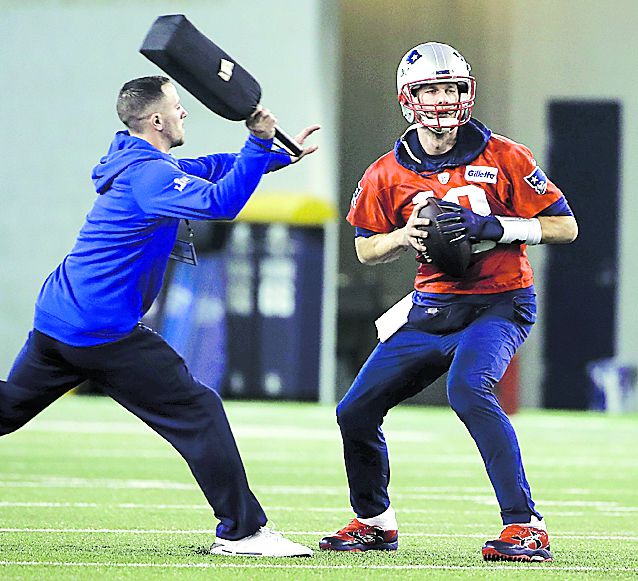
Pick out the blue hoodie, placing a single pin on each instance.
(114, 272)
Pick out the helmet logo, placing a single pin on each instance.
(414, 56)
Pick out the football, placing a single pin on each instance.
(451, 259)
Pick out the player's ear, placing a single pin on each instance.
(157, 122)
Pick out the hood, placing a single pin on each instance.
(471, 141)
(125, 150)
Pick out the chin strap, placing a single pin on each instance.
(440, 130)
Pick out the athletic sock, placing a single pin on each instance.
(533, 522)
(386, 521)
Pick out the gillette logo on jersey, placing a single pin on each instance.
(537, 180)
(480, 173)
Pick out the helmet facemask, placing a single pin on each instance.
(440, 118)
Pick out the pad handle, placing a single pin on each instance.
(288, 142)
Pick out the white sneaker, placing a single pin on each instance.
(264, 543)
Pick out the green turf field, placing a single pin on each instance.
(87, 491)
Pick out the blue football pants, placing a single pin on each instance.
(147, 377)
(476, 356)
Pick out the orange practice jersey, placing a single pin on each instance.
(502, 181)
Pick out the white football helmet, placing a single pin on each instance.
(434, 62)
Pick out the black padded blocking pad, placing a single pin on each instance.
(195, 62)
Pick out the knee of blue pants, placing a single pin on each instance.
(353, 418)
(7, 427)
(345, 417)
(13, 413)
(469, 392)
(11, 420)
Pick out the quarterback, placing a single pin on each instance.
(496, 196)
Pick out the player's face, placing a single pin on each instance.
(173, 115)
(439, 94)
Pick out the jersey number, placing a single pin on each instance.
(473, 198)
(470, 197)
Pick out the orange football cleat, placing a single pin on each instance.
(357, 536)
(519, 543)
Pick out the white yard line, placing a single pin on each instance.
(98, 483)
(471, 461)
(110, 531)
(17, 481)
(621, 512)
(78, 427)
(580, 535)
(287, 432)
(9, 504)
(468, 461)
(359, 566)
(283, 432)
(25, 479)
(93, 453)
(317, 509)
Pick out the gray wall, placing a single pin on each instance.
(587, 50)
(63, 63)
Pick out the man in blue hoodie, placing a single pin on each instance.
(86, 324)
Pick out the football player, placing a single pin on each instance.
(87, 316)
(497, 197)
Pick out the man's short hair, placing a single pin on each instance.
(136, 97)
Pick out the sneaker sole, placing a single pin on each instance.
(224, 552)
(490, 554)
(359, 548)
(257, 555)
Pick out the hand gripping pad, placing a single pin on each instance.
(201, 67)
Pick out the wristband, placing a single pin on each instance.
(520, 230)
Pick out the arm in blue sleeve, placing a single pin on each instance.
(209, 167)
(215, 166)
(278, 158)
(164, 189)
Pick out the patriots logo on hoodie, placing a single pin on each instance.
(181, 183)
